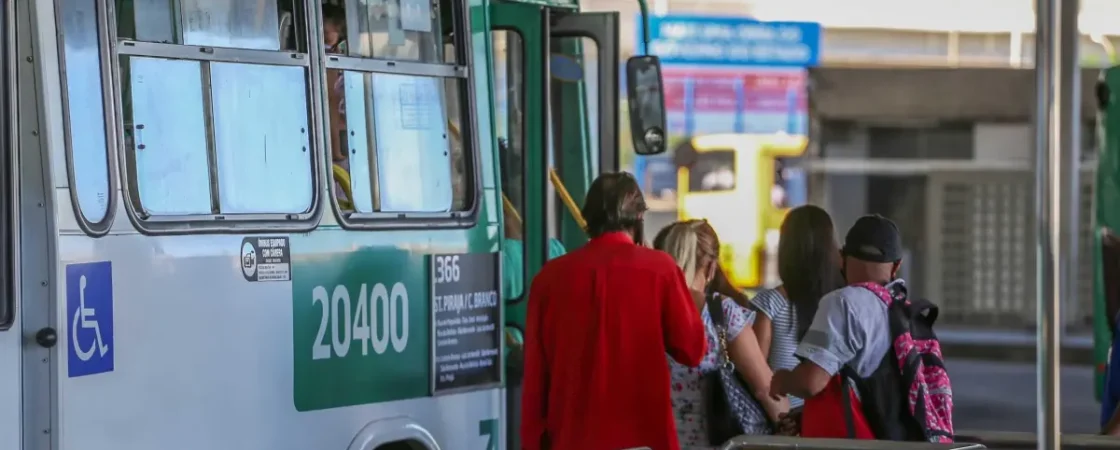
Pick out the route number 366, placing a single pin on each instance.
(447, 269)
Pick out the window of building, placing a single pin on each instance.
(789, 189)
(944, 141)
(397, 104)
(713, 171)
(216, 109)
(87, 133)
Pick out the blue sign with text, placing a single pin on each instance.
(733, 41)
(89, 316)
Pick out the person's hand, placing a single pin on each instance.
(775, 415)
(789, 424)
(778, 384)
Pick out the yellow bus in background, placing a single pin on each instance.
(743, 184)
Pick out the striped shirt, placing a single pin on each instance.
(783, 335)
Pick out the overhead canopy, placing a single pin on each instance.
(969, 94)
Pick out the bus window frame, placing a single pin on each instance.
(102, 227)
(152, 224)
(8, 168)
(521, 141)
(460, 71)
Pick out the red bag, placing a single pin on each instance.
(823, 414)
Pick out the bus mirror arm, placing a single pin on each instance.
(644, 17)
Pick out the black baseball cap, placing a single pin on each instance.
(873, 238)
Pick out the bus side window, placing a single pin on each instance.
(227, 132)
(87, 131)
(396, 131)
(510, 124)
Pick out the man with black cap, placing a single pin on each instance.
(850, 330)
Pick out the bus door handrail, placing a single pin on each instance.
(566, 197)
(342, 176)
(509, 209)
(557, 184)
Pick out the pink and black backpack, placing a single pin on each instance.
(909, 397)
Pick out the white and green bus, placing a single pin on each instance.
(277, 224)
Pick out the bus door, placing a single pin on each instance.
(556, 100)
(1106, 226)
(29, 334)
(584, 100)
(11, 332)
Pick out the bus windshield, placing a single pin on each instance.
(713, 171)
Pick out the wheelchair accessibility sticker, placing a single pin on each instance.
(89, 316)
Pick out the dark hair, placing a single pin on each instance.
(614, 203)
(659, 239)
(808, 261)
(334, 14)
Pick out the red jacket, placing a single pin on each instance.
(601, 320)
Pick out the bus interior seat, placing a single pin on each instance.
(286, 38)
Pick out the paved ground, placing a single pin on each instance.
(1001, 396)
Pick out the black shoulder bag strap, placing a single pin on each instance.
(715, 308)
(722, 423)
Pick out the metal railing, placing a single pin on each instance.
(789, 443)
(966, 440)
(1008, 440)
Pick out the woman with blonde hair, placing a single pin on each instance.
(695, 247)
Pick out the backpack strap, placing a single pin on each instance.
(918, 310)
(847, 376)
(879, 290)
(924, 309)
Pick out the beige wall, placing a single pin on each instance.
(924, 32)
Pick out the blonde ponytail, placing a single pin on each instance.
(692, 244)
(681, 243)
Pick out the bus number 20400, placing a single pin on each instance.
(372, 321)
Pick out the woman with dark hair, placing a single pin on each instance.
(809, 267)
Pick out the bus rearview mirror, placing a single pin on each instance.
(645, 95)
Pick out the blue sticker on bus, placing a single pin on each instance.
(565, 68)
(89, 316)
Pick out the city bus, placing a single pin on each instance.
(743, 184)
(277, 223)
